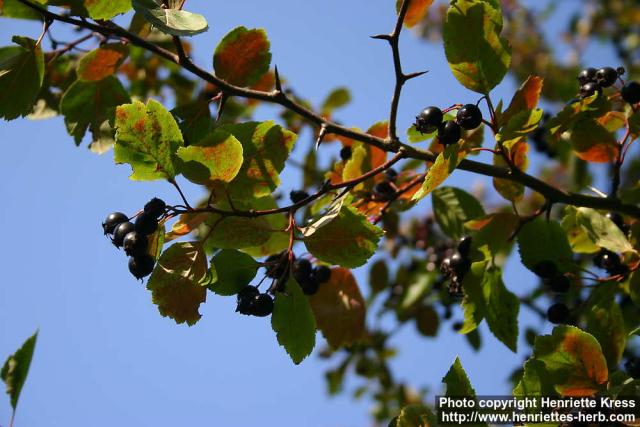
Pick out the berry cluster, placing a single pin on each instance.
(309, 277)
(592, 81)
(133, 237)
(548, 272)
(455, 267)
(253, 303)
(431, 119)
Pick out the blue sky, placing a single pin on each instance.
(104, 355)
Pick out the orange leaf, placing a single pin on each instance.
(417, 10)
(185, 225)
(525, 98)
(102, 62)
(243, 56)
(340, 309)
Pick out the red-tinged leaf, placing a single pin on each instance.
(175, 282)
(378, 156)
(525, 98)
(185, 225)
(340, 309)
(266, 83)
(613, 120)
(217, 157)
(416, 11)
(445, 164)
(592, 142)
(102, 62)
(574, 361)
(510, 190)
(243, 56)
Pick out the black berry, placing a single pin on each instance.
(135, 244)
(310, 286)
(558, 313)
(146, 224)
(120, 232)
(445, 267)
(545, 269)
(587, 76)
(141, 266)
(345, 153)
(631, 92)
(460, 265)
(262, 305)
(464, 246)
(469, 116)
(155, 208)
(297, 196)
(429, 120)
(245, 299)
(449, 133)
(112, 221)
(559, 284)
(321, 274)
(589, 89)
(302, 270)
(609, 261)
(383, 191)
(606, 76)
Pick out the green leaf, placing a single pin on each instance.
(379, 276)
(175, 282)
(415, 415)
(293, 322)
(445, 164)
(15, 9)
(541, 240)
(606, 324)
(16, 368)
(457, 381)
(478, 57)
(519, 125)
(266, 147)
(473, 302)
(578, 238)
(194, 120)
(277, 240)
(171, 21)
(21, 76)
(217, 157)
(602, 231)
(102, 62)
(502, 308)
(106, 9)
(535, 381)
(234, 271)
(573, 360)
(452, 208)
(493, 232)
(413, 135)
(91, 105)
(348, 240)
(338, 97)
(147, 137)
(243, 56)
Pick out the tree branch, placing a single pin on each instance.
(553, 194)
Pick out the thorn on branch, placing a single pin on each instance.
(321, 134)
(278, 82)
(410, 76)
(386, 37)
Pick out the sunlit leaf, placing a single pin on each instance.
(174, 283)
(339, 309)
(102, 62)
(445, 164)
(243, 56)
(453, 207)
(171, 21)
(147, 137)
(477, 55)
(234, 270)
(217, 157)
